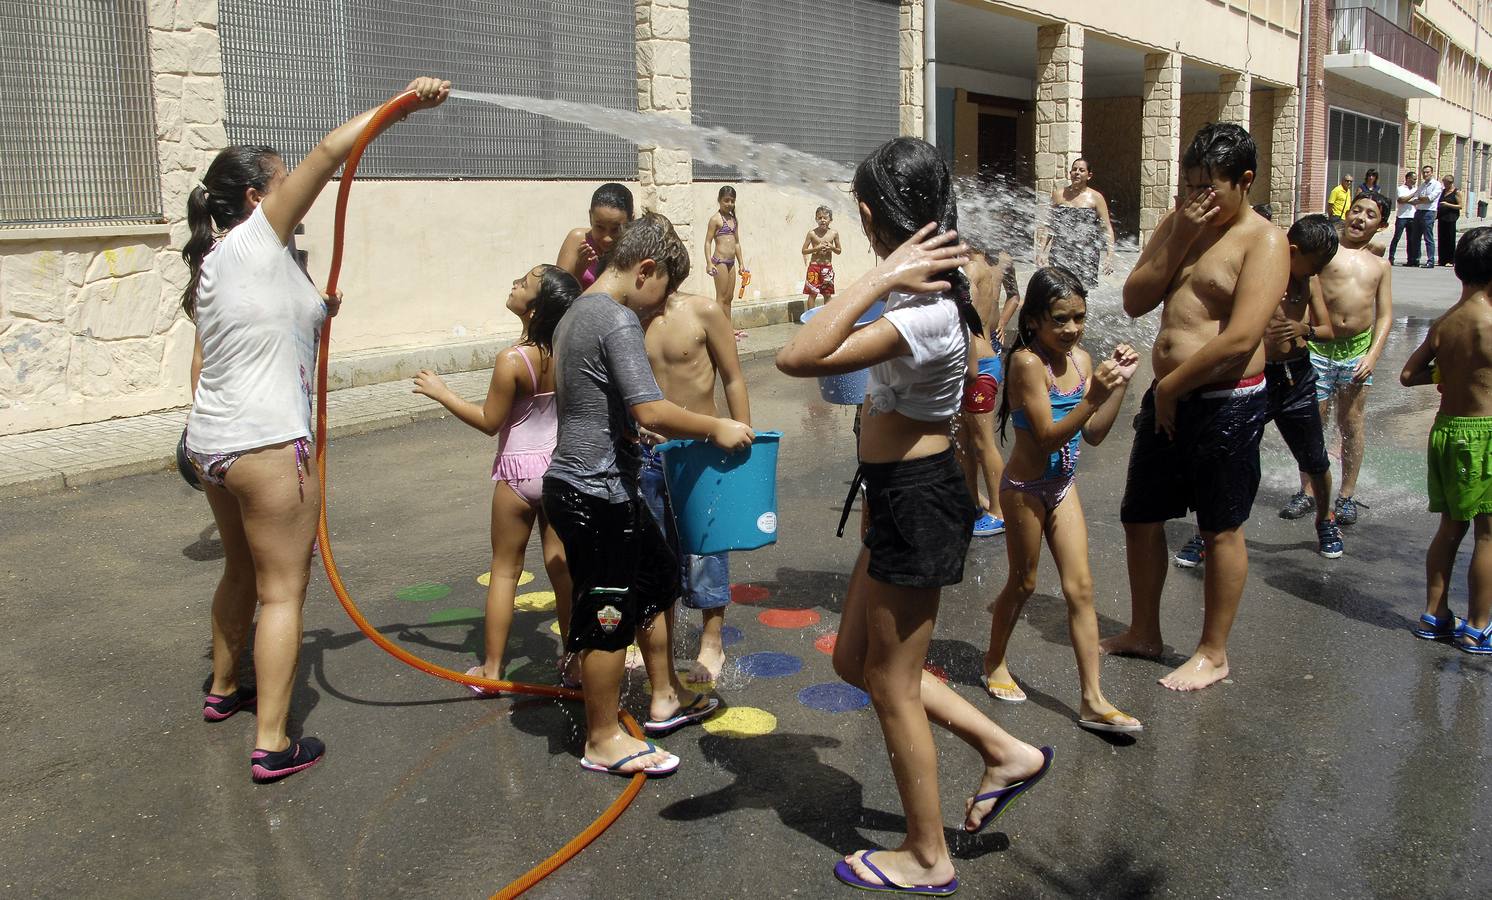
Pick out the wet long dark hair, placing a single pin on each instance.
(557, 290)
(906, 184)
(1046, 287)
(612, 195)
(217, 204)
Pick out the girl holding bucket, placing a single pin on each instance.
(520, 410)
(248, 435)
(921, 514)
(1055, 397)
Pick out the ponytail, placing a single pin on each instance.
(216, 204)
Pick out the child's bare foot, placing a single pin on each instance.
(1022, 765)
(1001, 685)
(706, 669)
(1196, 673)
(900, 868)
(1101, 715)
(1127, 643)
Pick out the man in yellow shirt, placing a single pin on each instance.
(1339, 199)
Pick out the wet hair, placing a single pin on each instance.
(557, 290)
(825, 210)
(1315, 235)
(613, 196)
(1474, 256)
(1222, 148)
(1265, 210)
(653, 237)
(1048, 285)
(1377, 198)
(906, 184)
(217, 204)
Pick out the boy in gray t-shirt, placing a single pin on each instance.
(624, 573)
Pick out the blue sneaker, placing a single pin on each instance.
(1329, 539)
(988, 526)
(1193, 554)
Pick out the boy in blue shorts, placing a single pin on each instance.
(1457, 356)
(625, 577)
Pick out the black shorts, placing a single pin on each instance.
(921, 520)
(1293, 407)
(623, 571)
(1212, 465)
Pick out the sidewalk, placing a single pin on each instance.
(39, 462)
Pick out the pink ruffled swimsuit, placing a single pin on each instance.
(526, 441)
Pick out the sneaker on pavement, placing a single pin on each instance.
(1347, 510)
(266, 765)
(988, 526)
(1329, 539)
(1193, 554)
(1300, 505)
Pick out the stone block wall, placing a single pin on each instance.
(1283, 122)
(1234, 98)
(665, 86)
(1115, 160)
(1059, 104)
(90, 323)
(910, 32)
(1160, 139)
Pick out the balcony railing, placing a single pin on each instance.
(1355, 29)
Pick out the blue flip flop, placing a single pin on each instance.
(700, 708)
(1006, 795)
(846, 874)
(1481, 641)
(667, 768)
(1433, 629)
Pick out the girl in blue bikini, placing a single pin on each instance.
(1054, 396)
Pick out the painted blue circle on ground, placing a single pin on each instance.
(834, 697)
(730, 635)
(769, 665)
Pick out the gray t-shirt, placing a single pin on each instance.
(601, 371)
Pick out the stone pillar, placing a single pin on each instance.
(1234, 95)
(1446, 162)
(1283, 138)
(1160, 139)
(1312, 186)
(665, 87)
(1429, 146)
(1059, 104)
(1411, 149)
(910, 61)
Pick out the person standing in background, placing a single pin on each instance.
(1339, 199)
(1446, 217)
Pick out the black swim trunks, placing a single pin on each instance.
(921, 520)
(1212, 465)
(623, 571)
(1295, 412)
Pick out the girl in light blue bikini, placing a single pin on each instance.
(1053, 404)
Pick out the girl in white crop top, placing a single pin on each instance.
(519, 409)
(919, 507)
(258, 318)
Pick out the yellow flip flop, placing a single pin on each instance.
(991, 687)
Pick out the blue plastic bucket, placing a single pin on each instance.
(722, 500)
(849, 388)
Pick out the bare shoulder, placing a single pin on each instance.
(1026, 364)
(701, 307)
(1084, 359)
(576, 235)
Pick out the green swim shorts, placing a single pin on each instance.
(1460, 464)
(1345, 348)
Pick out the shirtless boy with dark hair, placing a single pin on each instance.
(688, 344)
(1217, 270)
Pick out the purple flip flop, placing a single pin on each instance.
(846, 874)
(1006, 795)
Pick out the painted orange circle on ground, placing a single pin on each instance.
(789, 618)
(826, 643)
(748, 593)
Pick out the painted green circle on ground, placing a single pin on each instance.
(424, 592)
(454, 614)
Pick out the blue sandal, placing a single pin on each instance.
(1433, 629)
(1481, 640)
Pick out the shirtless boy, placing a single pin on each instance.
(1217, 270)
(981, 455)
(819, 247)
(1457, 355)
(1357, 287)
(688, 344)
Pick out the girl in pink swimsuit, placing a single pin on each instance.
(582, 252)
(520, 410)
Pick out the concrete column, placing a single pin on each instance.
(1059, 104)
(1282, 140)
(1411, 149)
(1160, 139)
(1234, 95)
(665, 87)
(911, 32)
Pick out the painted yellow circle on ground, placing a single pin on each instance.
(534, 601)
(741, 722)
(554, 627)
(485, 579)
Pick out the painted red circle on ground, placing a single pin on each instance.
(936, 672)
(788, 618)
(826, 643)
(748, 593)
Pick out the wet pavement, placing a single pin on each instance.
(1343, 758)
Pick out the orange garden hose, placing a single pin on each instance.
(386, 115)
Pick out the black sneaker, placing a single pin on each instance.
(216, 708)
(1329, 539)
(1346, 510)
(266, 766)
(1300, 505)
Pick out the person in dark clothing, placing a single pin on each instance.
(1446, 217)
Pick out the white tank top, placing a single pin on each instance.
(258, 319)
(928, 385)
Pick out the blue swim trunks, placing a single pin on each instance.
(706, 579)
